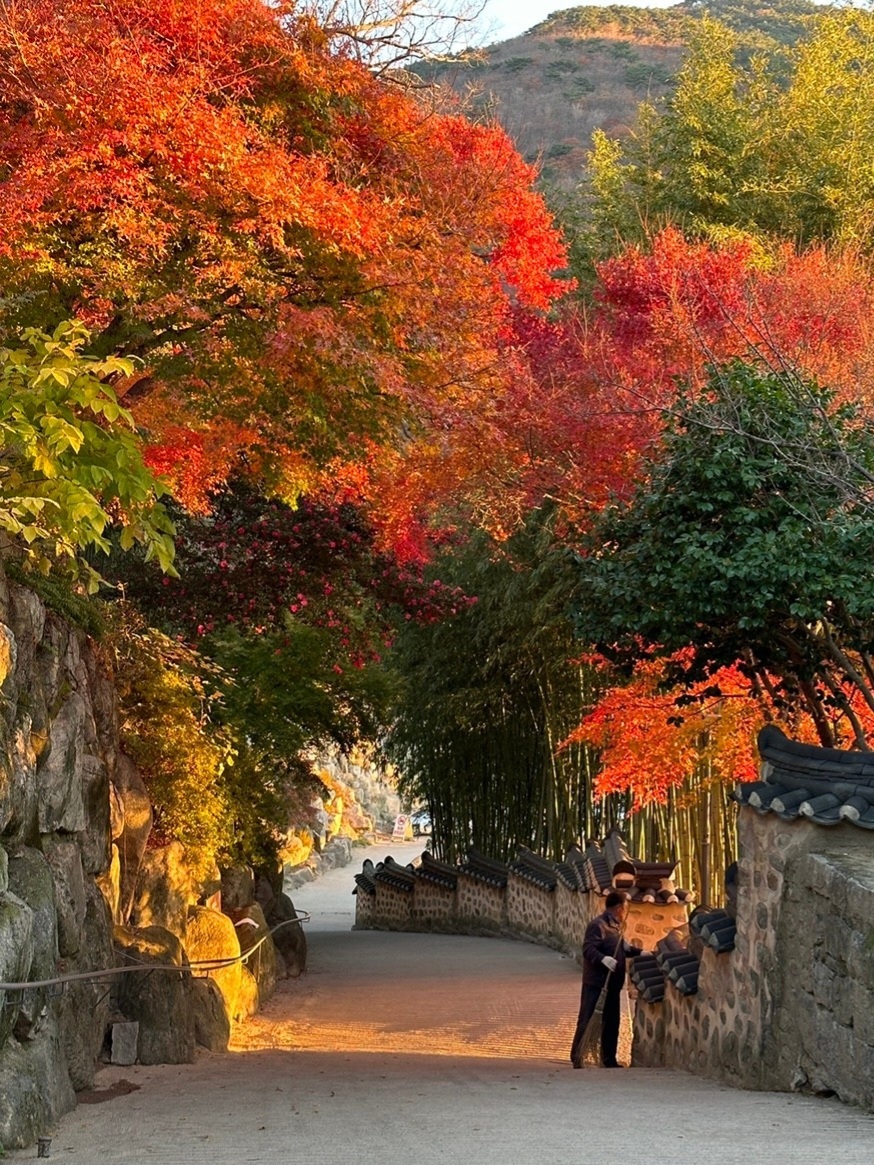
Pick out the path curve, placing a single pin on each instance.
(403, 1049)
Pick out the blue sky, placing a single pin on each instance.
(508, 18)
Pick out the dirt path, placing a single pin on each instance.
(402, 1049)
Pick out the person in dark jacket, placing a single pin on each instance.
(604, 954)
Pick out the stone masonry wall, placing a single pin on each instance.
(393, 909)
(520, 910)
(433, 906)
(79, 889)
(479, 905)
(792, 1007)
(530, 909)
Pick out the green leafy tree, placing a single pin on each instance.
(70, 461)
(751, 539)
(777, 143)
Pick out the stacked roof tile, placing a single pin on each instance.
(531, 868)
(598, 869)
(824, 785)
(365, 880)
(716, 928)
(436, 872)
(484, 869)
(648, 977)
(395, 875)
(679, 965)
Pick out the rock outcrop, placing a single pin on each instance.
(84, 889)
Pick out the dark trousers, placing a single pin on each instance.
(609, 1022)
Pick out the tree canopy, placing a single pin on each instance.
(309, 262)
(750, 540)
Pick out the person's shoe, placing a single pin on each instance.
(612, 1064)
(577, 1063)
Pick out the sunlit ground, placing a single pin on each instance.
(435, 995)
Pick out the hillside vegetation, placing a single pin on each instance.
(583, 69)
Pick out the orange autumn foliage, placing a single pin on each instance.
(586, 398)
(310, 263)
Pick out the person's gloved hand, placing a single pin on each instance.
(609, 962)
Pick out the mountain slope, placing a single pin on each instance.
(587, 68)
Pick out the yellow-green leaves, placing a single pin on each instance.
(71, 465)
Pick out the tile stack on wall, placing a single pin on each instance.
(785, 985)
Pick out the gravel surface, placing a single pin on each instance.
(403, 1049)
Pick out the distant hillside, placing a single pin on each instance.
(585, 68)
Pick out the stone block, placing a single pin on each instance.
(212, 936)
(124, 1040)
(35, 1089)
(160, 1001)
(65, 862)
(59, 772)
(212, 1027)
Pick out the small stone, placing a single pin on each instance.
(125, 1037)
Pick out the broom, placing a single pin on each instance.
(591, 1050)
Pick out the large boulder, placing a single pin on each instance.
(161, 1002)
(94, 677)
(94, 842)
(65, 862)
(8, 653)
(59, 771)
(212, 936)
(84, 1007)
(16, 955)
(18, 808)
(337, 853)
(30, 879)
(248, 1000)
(26, 618)
(212, 1025)
(238, 888)
(110, 886)
(136, 812)
(254, 935)
(166, 889)
(35, 1089)
(290, 940)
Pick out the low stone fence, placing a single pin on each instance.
(528, 898)
(788, 1005)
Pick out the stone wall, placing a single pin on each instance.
(792, 1006)
(81, 890)
(479, 906)
(521, 909)
(530, 908)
